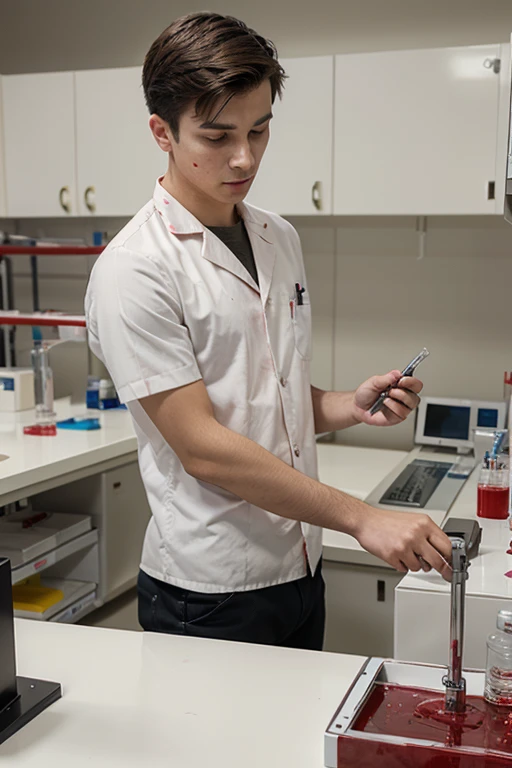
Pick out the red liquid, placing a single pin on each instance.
(492, 502)
(417, 713)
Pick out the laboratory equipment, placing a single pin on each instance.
(407, 371)
(493, 487)
(416, 483)
(469, 530)
(408, 715)
(43, 385)
(16, 389)
(498, 674)
(21, 698)
(450, 423)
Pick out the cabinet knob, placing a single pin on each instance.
(316, 195)
(64, 203)
(90, 204)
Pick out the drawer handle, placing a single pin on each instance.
(64, 204)
(316, 195)
(90, 204)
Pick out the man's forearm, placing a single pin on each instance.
(241, 466)
(333, 410)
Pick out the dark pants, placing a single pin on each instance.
(291, 615)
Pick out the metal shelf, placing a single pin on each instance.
(50, 250)
(40, 564)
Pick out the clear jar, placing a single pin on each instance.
(498, 673)
(43, 385)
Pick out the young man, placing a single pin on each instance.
(200, 310)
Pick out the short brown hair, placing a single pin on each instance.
(203, 58)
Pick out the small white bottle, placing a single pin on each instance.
(498, 674)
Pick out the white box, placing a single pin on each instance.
(16, 389)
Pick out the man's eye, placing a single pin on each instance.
(220, 138)
(258, 133)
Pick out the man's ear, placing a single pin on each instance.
(161, 131)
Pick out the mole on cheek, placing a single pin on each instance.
(195, 165)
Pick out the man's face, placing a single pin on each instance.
(212, 158)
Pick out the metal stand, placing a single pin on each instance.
(454, 683)
(21, 698)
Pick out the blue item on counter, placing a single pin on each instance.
(83, 423)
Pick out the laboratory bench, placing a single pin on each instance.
(146, 699)
(95, 473)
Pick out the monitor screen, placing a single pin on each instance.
(450, 422)
(487, 417)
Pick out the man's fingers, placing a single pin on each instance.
(405, 396)
(411, 383)
(437, 561)
(399, 410)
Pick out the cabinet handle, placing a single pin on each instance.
(91, 206)
(64, 204)
(316, 195)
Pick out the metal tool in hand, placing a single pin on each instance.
(454, 683)
(407, 371)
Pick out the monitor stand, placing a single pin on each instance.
(21, 698)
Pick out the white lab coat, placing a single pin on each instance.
(167, 304)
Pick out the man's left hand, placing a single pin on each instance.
(400, 402)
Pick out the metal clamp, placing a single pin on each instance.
(453, 681)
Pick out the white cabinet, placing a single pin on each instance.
(118, 159)
(295, 176)
(78, 144)
(359, 608)
(39, 136)
(415, 131)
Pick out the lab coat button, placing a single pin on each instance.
(283, 381)
(296, 450)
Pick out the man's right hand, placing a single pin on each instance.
(408, 541)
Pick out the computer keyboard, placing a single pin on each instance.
(416, 483)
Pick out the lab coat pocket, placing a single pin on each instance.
(302, 327)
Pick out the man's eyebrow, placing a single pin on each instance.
(228, 127)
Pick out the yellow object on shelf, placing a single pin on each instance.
(29, 595)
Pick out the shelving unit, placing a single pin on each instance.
(55, 556)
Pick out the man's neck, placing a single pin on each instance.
(206, 210)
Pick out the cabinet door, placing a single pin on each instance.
(359, 608)
(297, 167)
(415, 131)
(39, 135)
(118, 159)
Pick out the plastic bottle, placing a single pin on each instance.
(498, 674)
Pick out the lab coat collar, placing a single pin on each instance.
(181, 222)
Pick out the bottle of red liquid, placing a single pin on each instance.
(493, 489)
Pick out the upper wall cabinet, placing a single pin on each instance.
(118, 160)
(415, 131)
(78, 144)
(295, 177)
(39, 136)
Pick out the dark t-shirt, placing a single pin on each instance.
(237, 240)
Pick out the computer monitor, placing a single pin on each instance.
(449, 422)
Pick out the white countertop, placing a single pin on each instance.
(34, 459)
(138, 699)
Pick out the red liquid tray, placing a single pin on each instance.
(386, 721)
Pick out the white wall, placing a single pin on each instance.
(60, 35)
(374, 304)
(379, 305)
